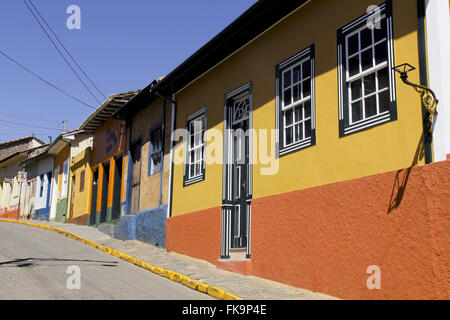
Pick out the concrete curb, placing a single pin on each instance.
(171, 275)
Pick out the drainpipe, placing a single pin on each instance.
(423, 68)
(127, 181)
(174, 108)
(51, 186)
(163, 149)
(174, 111)
(69, 185)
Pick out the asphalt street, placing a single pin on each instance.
(34, 264)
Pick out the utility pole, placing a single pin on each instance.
(21, 177)
(65, 125)
(20, 199)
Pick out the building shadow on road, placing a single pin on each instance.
(34, 262)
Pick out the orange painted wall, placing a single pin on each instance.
(324, 238)
(196, 235)
(109, 142)
(9, 214)
(101, 168)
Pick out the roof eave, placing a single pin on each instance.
(106, 111)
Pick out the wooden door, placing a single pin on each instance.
(136, 177)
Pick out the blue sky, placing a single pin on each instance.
(122, 45)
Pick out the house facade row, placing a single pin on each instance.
(288, 147)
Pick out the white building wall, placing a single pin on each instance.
(1, 193)
(14, 188)
(5, 195)
(45, 166)
(438, 42)
(23, 190)
(81, 143)
(14, 194)
(34, 144)
(54, 193)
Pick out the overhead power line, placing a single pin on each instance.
(65, 49)
(60, 53)
(28, 125)
(47, 82)
(12, 134)
(28, 118)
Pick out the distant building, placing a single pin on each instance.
(60, 150)
(107, 161)
(10, 147)
(12, 191)
(80, 177)
(39, 169)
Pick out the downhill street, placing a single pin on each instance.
(34, 262)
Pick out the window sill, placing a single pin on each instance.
(153, 174)
(368, 124)
(296, 147)
(193, 181)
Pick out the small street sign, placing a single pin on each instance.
(22, 176)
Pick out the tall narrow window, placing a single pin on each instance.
(156, 150)
(33, 187)
(195, 150)
(296, 102)
(367, 81)
(82, 178)
(42, 184)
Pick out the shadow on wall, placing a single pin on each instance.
(402, 177)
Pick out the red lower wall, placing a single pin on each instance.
(325, 238)
(9, 214)
(81, 220)
(196, 235)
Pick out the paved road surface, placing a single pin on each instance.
(33, 265)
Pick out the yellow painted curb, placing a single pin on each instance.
(171, 275)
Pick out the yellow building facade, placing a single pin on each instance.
(80, 177)
(395, 142)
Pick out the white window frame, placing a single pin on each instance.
(199, 157)
(348, 125)
(42, 180)
(308, 138)
(152, 169)
(374, 70)
(34, 182)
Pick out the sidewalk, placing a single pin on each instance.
(246, 287)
